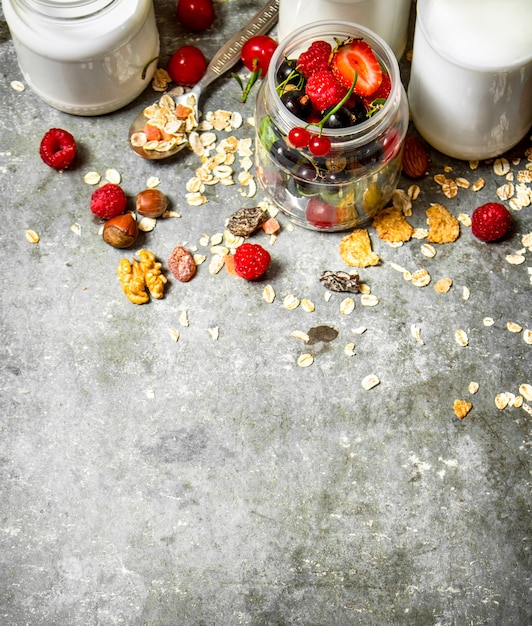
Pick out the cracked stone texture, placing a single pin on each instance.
(214, 482)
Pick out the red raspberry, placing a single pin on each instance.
(315, 59)
(108, 201)
(251, 260)
(490, 221)
(324, 90)
(58, 148)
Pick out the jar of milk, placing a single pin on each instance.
(387, 18)
(84, 57)
(470, 90)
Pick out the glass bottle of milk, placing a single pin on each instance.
(387, 18)
(470, 90)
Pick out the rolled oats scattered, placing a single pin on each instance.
(443, 285)
(527, 336)
(502, 400)
(449, 188)
(370, 381)
(465, 293)
(170, 213)
(113, 176)
(397, 268)
(290, 302)
(501, 166)
(349, 349)
(32, 236)
(92, 178)
(473, 387)
(347, 306)
(420, 233)
(364, 288)
(199, 258)
(268, 294)
(16, 85)
(153, 182)
(506, 191)
(420, 278)
(307, 306)
(147, 224)
(460, 336)
(195, 199)
(526, 391)
(360, 330)
(513, 327)
(524, 176)
(368, 300)
(515, 259)
(463, 183)
(478, 185)
(214, 332)
(473, 165)
(305, 360)
(415, 331)
(464, 219)
(183, 318)
(414, 191)
(527, 408)
(488, 321)
(299, 334)
(402, 201)
(216, 263)
(428, 250)
(440, 179)
(174, 333)
(76, 229)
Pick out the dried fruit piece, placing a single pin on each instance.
(244, 222)
(415, 158)
(443, 227)
(181, 263)
(58, 148)
(340, 281)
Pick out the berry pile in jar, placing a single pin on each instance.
(333, 88)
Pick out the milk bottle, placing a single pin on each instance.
(387, 18)
(470, 91)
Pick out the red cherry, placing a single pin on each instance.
(320, 214)
(299, 137)
(187, 66)
(257, 52)
(319, 145)
(195, 14)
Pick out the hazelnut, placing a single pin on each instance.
(121, 231)
(151, 203)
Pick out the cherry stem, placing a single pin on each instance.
(255, 75)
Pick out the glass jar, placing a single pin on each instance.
(387, 18)
(470, 88)
(356, 179)
(84, 57)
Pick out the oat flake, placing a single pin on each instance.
(299, 334)
(113, 176)
(513, 327)
(527, 337)
(370, 381)
(488, 321)
(174, 333)
(290, 302)
(32, 236)
(16, 85)
(92, 178)
(307, 306)
(268, 294)
(305, 360)
(526, 391)
(347, 306)
(349, 349)
(368, 300)
(473, 387)
(460, 336)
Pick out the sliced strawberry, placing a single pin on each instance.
(382, 92)
(356, 56)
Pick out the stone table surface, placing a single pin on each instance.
(211, 480)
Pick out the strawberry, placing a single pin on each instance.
(355, 55)
(315, 59)
(324, 90)
(382, 92)
(490, 221)
(58, 148)
(108, 201)
(251, 261)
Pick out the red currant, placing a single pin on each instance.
(195, 14)
(299, 137)
(187, 66)
(319, 145)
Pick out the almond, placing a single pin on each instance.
(415, 158)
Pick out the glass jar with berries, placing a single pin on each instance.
(331, 119)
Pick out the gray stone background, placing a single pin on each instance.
(214, 482)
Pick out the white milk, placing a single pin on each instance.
(84, 57)
(470, 91)
(387, 18)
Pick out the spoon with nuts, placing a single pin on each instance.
(177, 115)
